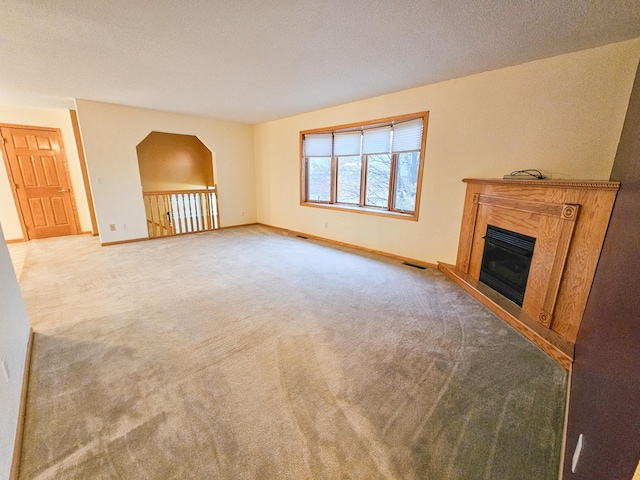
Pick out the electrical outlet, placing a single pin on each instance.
(112, 226)
(124, 226)
(242, 214)
(326, 224)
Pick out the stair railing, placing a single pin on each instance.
(178, 212)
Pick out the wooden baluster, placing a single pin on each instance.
(217, 211)
(202, 211)
(209, 216)
(179, 212)
(148, 214)
(195, 212)
(212, 210)
(169, 214)
(171, 208)
(206, 212)
(191, 222)
(151, 216)
(185, 212)
(175, 211)
(183, 217)
(198, 212)
(172, 200)
(154, 213)
(198, 204)
(160, 215)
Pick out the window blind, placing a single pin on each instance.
(376, 140)
(347, 143)
(407, 136)
(318, 145)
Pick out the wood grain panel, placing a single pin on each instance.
(27, 170)
(541, 264)
(567, 223)
(473, 214)
(43, 143)
(38, 212)
(568, 219)
(513, 203)
(19, 141)
(49, 165)
(467, 228)
(59, 211)
(582, 260)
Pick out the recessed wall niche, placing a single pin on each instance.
(170, 161)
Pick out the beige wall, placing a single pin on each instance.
(174, 162)
(561, 115)
(42, 118)
(14, 336)
(110, 135)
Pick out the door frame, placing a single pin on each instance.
(65, 166)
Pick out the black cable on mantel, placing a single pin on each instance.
(525, 174)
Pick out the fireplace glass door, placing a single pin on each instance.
(506, 261)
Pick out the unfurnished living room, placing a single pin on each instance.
(318, 240)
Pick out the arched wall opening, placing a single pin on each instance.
(170, 161)
(177, 177)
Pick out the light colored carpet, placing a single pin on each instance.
(246, 353)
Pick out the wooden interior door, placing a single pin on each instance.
(40, 177)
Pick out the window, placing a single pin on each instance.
(374, 167)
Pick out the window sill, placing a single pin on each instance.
(363, 210)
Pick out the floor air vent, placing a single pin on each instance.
(414, 265)
(300, 236)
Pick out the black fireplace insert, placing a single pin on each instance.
(506, 261)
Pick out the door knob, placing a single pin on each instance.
(63, 190)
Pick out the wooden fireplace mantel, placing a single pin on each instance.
(569, 220)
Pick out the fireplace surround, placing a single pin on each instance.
(568, 219)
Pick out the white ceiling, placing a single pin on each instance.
(258, 60)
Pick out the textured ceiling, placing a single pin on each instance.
(255, 60)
